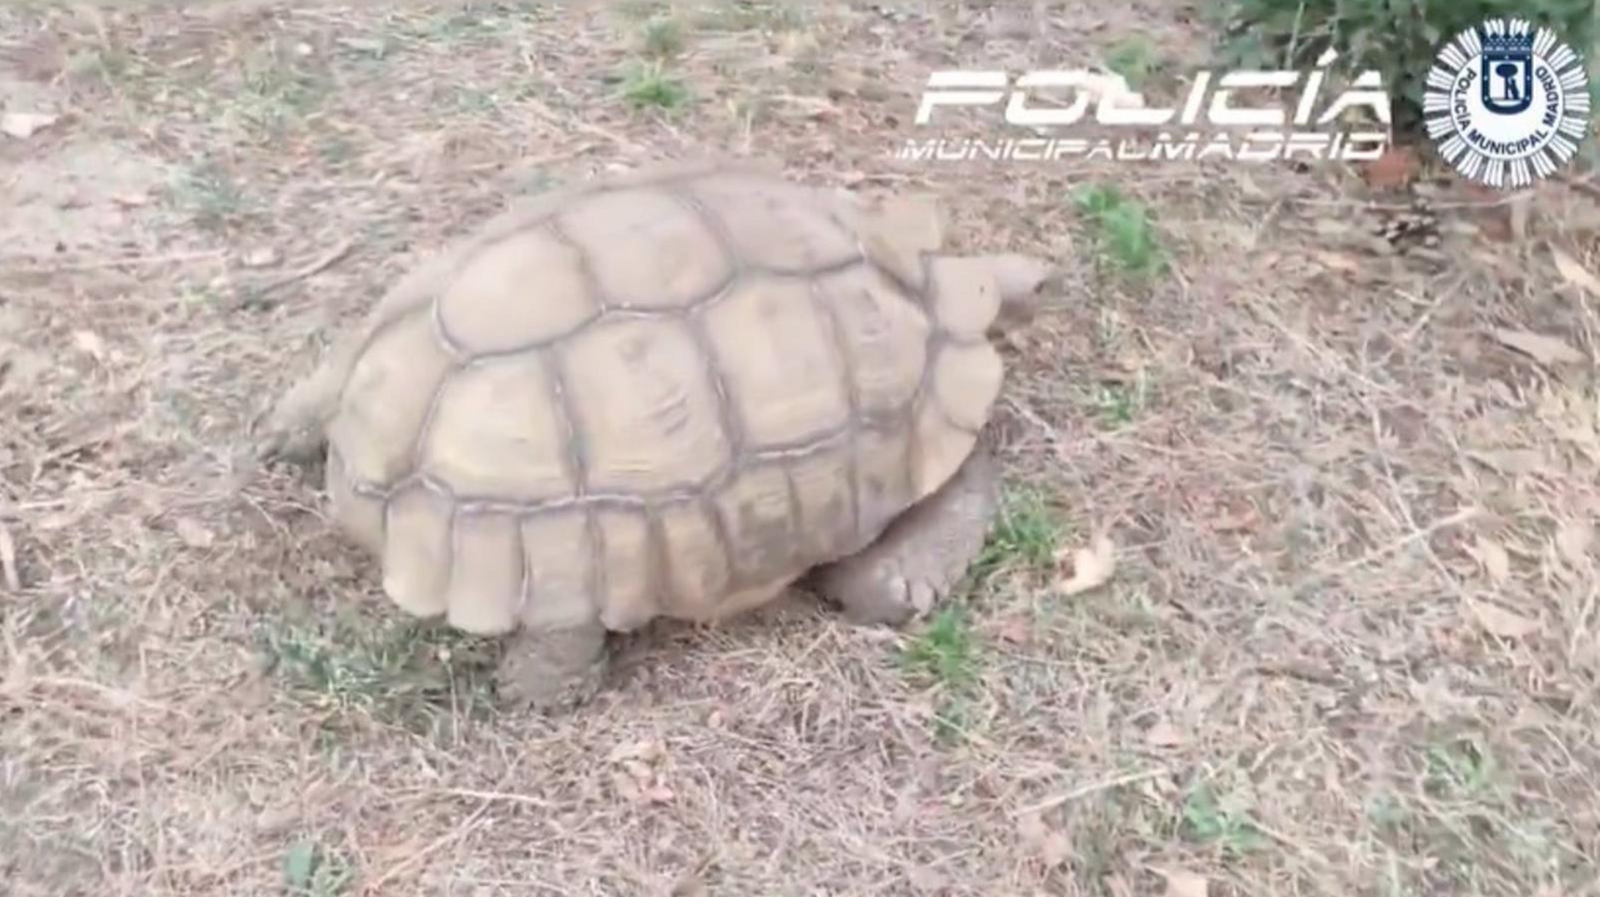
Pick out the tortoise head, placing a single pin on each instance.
(1027, 285)
(899, 231)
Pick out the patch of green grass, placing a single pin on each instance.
(1385, 812)
(749, 15)
(310, 871)
(1122, 229)
(535, 183)
(1135, 59)
(474, 23)
(1208, 820)
(336, 151)
(274, 95)
(110, 65)
(638, 10)
(1116, 405)
(1025, 535)
(650, 86)
(1464, 813)
(402, 671)
(945, 652)
(1462, 768)
(950, 720)
(213, 198)
(663, 37)
(476, 100)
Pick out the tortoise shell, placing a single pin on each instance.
(670, 393)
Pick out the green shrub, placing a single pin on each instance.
(1398, 38)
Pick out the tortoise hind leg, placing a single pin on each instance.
(922, 555)
(553, 670)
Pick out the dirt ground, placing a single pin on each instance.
(1350, 646)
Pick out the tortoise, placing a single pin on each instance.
(676, 393)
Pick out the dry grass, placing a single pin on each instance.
(1351, 646)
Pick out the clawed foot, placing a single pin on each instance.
(921, 557)
(880, 591)
(552, 673)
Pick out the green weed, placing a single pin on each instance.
(1122, 230)
(638, 10)
(211, 195)
(309, 871)
(477, 101)
(1025, 535)
(1210, 821)
(336, 151)
(663, 38)
(944, 652)
(474, 23)
(275, 95)
(1116, 405)
(1135, 59)
(950, 721)
(1460, 768)
(1385, 812)
(648, 85)
(401, 671)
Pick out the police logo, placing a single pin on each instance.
(1507, 103)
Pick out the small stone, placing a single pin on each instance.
(263, 257)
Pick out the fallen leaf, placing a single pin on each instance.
(1056, 849)
(1543, 349)
(1092, 567)
(1338, 261)
(8, 561)
(1181, 883)
(263, 257)
(638, 750)
(1574, 272)
(193, 533)
(23, 125)
(1573, 541)
(90, 343)
(1165, 734)
(1498, 621)
(1051, 846)
(1496, 562)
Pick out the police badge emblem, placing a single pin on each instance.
(1507, 102)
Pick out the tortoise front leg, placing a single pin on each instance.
(553, 670)
(295, 428)
(920, 557)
